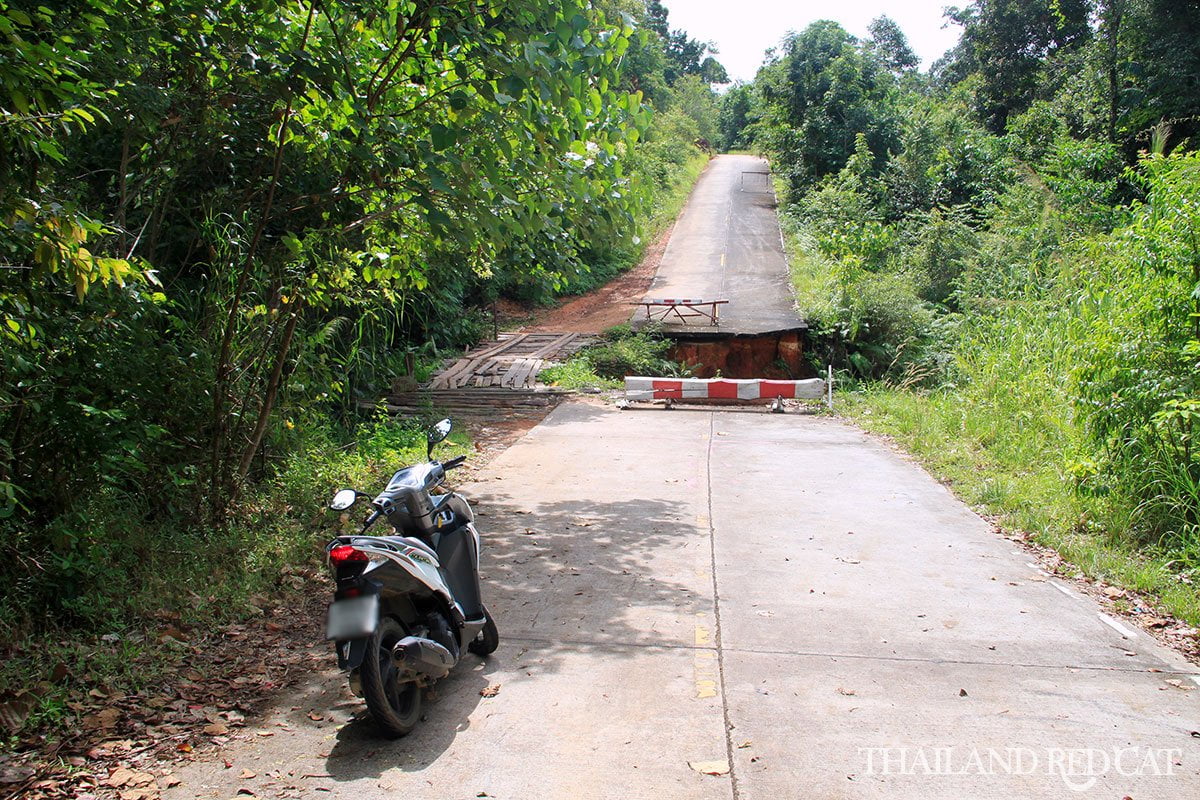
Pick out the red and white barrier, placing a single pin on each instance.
(679, 389)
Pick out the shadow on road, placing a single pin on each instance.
(574, 575)
(587, 572)
(361, 752)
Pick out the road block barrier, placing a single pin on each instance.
(673, 390)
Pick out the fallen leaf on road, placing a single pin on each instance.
(121, 776)
(247, 774)
(744, 744)
(847, 692)
(15, 774)
(216, 729)
(710, 767)
(962, 692)
(264, 733)
(314, 716)
(169, 780)
(490, 691)
(102, 719)
(14, 712)
(183, 747)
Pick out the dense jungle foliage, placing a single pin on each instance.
(1004, 252)
(226, 223)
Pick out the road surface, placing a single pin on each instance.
(779, 598)
(726, 245)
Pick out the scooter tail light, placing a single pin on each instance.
(345, 554)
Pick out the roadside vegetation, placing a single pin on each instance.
(1001, 256)
(227, 224)
(622, 352)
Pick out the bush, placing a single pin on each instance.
(576, 374)
(622, 352)
(628, 353)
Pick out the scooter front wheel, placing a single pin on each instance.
(488, 639)
(394, 705)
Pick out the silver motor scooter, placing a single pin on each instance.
(407, 606)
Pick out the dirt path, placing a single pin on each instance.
(609, 305)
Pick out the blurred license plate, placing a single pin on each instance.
(353, 618)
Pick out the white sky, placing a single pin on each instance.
(743, 29)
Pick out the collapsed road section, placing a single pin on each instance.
(727, 250)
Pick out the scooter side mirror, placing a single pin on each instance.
(437, 433)
(343, 499)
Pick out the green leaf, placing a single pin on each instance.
(442, 137)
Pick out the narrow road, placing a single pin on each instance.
(726, 245)
(779, 598)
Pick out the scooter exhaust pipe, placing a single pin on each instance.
(423, 655)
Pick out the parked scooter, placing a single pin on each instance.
(407, 606)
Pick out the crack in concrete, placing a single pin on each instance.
(712, 546)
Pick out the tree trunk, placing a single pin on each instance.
(270, 393)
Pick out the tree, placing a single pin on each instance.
(283, 165)
(823, 92)
(684, 55)
(1007, 43)
(889, 44)
(733, 117)
(1159, 60)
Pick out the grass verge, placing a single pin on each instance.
(669, 202)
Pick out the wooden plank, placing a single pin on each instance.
(522, 374)
(508, 379)
(508, 345)
(460, 373)
(442, 379)
(555, 346)
(531, 380)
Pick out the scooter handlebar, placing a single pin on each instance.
(457, 461)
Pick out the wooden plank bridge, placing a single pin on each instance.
(494, 380)
(511, 362)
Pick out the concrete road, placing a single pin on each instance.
(726, 245)
(775, 597)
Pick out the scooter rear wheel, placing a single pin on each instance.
(488, 639)
(394, 705)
